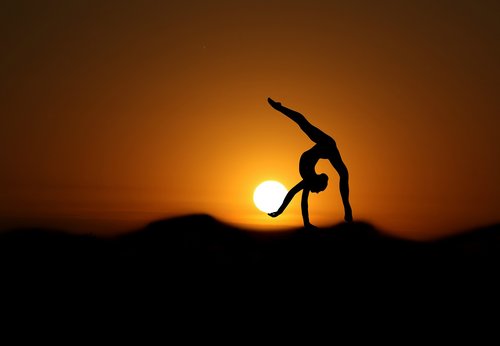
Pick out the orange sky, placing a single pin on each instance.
(115, 115)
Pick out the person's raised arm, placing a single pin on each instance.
(288, 198)
(315, 134)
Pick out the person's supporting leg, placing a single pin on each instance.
(341, 168)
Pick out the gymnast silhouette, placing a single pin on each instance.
(325, 148)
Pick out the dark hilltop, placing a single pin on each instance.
(192, 267)
(200, 245)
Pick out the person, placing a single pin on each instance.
(324, 148)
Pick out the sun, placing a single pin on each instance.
(269, 195)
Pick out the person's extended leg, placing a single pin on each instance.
(315, 134)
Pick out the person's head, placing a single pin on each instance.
(318, 183)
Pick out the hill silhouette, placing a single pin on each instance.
(197, 263)
(200, 245)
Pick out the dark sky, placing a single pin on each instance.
(115, 113)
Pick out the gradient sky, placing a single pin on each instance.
(115, 113)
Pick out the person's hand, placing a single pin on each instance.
(273, 103)
(274, 214)
(310, 226)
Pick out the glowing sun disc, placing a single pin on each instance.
(269, 195)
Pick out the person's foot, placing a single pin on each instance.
(348, 215)
(273, 103)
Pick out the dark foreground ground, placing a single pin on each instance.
(196, 257)
(197, 246)
(194, 278)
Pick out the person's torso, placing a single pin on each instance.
(310, 158)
